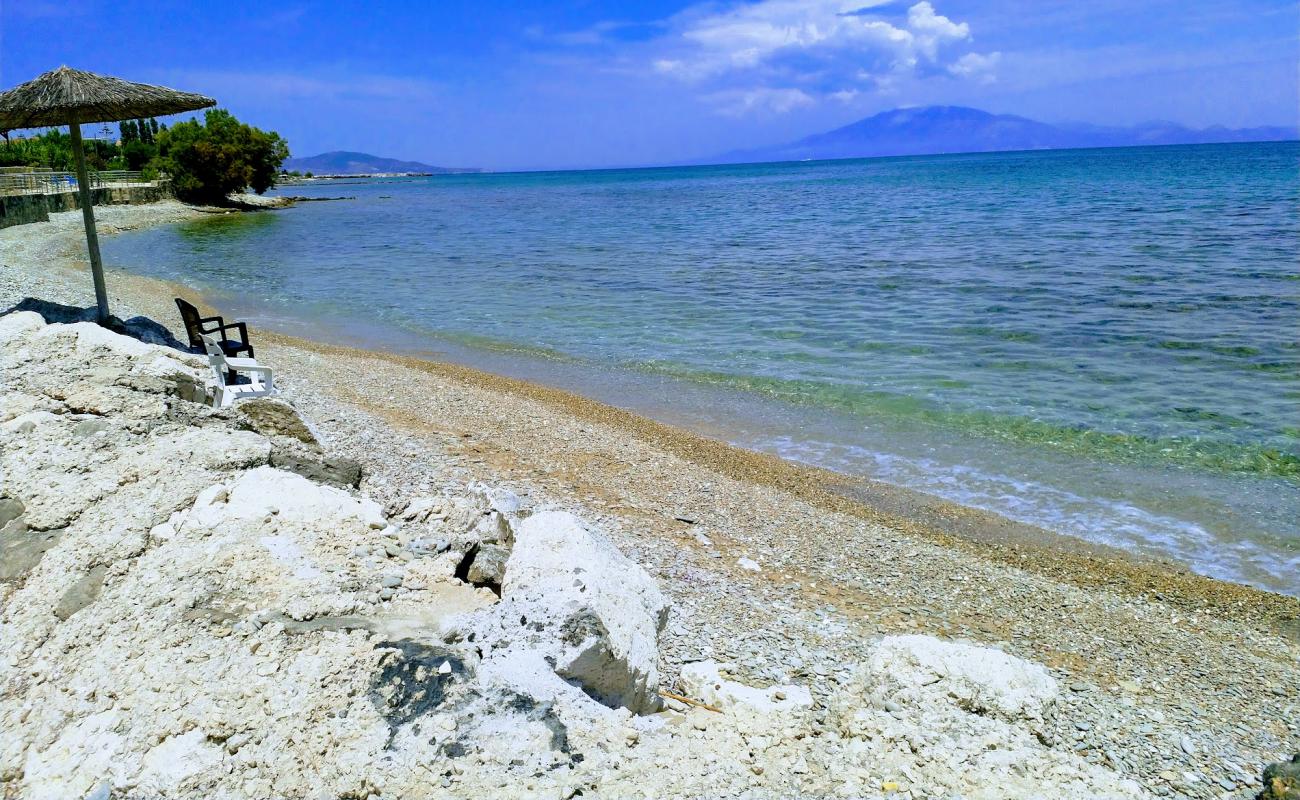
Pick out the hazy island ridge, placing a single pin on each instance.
(347, 162)
(932, 130)
(910, 131)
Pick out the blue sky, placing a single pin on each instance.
(571, 84)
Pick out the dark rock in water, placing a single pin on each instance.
(1282, 780)
(81, 594)
(274, 418)
(336, 471)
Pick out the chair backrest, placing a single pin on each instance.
(193, 327)
(216, 358)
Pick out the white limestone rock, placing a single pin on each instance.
(970, 715)
(980, 680)
(289, 497)
(169, 765)
(704, 681)
(422, 509)
(237, 647)
(18, 327)
(28, 422)
(613, 612)
(15, 404)
(88, 341)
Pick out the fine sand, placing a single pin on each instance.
(1188, 684)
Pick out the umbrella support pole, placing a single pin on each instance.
(88, 216)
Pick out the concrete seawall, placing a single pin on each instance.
(24, 208)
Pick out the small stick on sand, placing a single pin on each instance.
(688, 701)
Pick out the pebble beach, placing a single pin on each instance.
(789, 575)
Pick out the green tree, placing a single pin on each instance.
(137, 147)
(136, 154)
(207, 162)
(52, 148)
(99, 153)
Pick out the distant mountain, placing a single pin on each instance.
(955, 129)
(343, 162)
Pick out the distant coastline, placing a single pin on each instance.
(935, 130)
(347, 163)
(354, 175)
(925, 131)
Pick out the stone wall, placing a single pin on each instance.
(24, 208)
(21, 209)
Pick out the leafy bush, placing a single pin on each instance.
(137, 153)
(207, 162)
(53, 149)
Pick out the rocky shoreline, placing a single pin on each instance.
(183, 619)
(825, 618)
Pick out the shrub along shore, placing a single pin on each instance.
(1130, 670)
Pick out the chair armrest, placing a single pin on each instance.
(247, 365)
(239, 326)
(211, 324)
(268, 375)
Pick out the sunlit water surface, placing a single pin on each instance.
(1099, 342)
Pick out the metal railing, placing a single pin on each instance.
(49, 182)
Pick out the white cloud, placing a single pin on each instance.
(822, 33)
(600, 33)
(742, 102)
(976, 65)
(929, 30)
(779, 55)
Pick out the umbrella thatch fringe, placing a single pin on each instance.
(66, 95)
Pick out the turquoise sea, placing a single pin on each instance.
(1105, 343)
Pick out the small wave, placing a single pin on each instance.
(1112, 446)
(1110, 522)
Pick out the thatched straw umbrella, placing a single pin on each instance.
(72, 97)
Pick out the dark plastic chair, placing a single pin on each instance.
(197, 325)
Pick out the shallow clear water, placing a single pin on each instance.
(1101, 342)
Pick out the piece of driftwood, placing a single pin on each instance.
(688, 701)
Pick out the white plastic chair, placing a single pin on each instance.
(263, 380)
